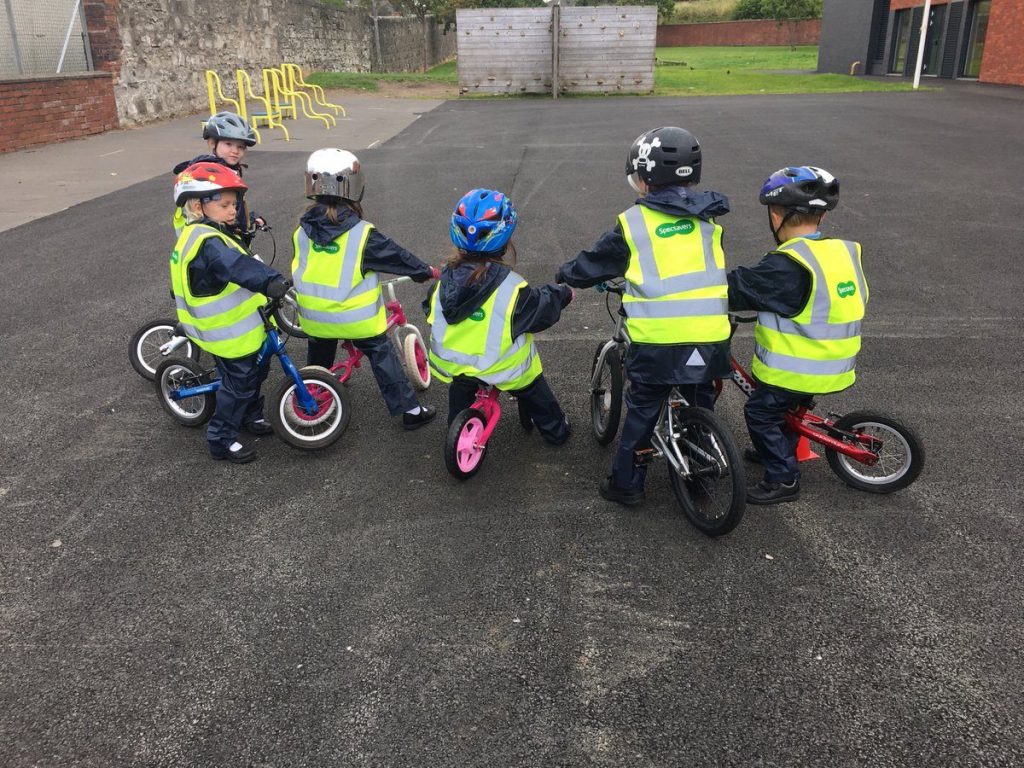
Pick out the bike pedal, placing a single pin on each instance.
(645, 456)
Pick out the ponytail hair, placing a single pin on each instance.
(332, 205)
(459, 257)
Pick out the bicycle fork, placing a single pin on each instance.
(669, 435)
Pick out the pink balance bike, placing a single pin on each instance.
(405, 336)
(466, 445)
(869, 450)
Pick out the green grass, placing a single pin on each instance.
(370, 81)
(700, 11)
(720, 71)
(699, 71)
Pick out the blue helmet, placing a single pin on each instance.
(801, 188)
(483, 221)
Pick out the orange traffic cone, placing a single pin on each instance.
(803, 450)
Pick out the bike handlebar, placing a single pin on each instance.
(736, 319)
(610, 288)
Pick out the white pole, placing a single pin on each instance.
(67, 37)
(920, 44)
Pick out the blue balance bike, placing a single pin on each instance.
(309, 409)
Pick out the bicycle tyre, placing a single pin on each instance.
(606, 402)
(414, 360)
(847, 469)
(311, 432)
(701, 425)
(144, 349)
(175, 373)
(286, 314)
(461, 461)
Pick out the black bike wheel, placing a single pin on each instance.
(714, 495)
(606, 398)
(144, 349)
(900, 455)
(462, 457)
(286, 314)
(178, 373)
(310, 431)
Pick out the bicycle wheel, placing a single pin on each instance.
(311, 431)
(463, 455)
(287, 316)
(414, 359)
(606, 398)
(713, 495)
(899, 449)
(178, 373)
(144, 349)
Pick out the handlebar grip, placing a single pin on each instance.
(601, 287)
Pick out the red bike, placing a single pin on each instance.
(869, 450)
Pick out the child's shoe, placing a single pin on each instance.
(412, 421)
(234, 452)
(612, 492)
(751, 455)
(765, 493)
(258, 427)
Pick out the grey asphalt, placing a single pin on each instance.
(360, 608)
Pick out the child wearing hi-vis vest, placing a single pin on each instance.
(810, 295)
(337, 258)
(482, 316)
(668, 247)
(218, 289)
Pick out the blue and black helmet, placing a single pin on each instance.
(483, 221)
(801, 188)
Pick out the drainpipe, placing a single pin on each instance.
(920, 44)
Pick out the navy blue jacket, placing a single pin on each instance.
(217, 264)
(775, 284)
(381, 254)
(244, 214)
(655, 364)
(536, 310)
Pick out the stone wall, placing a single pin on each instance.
(753, 32)
(166, 45)
(41, 110)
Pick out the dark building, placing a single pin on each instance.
(981, 39)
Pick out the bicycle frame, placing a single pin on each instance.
(395, 319)
(487, 403)
(272, 345)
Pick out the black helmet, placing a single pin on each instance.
(228, 125)
(664, 156)
(801, 188)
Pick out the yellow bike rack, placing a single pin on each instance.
(270, 116)
(303, 98)
(215, 92)
(296, 79)
(275, 89)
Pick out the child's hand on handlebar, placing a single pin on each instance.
(278, 288)
(435, 273)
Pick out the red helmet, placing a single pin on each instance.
(204, 180)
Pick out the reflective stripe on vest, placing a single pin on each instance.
(344, 304)
(502, 361)
(815, 352)
(226, 325)
(676, 289)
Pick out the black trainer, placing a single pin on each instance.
(618, 495)
(234, 452)
(751, 455)
(410, 421)
(765, 493)
(259, 427)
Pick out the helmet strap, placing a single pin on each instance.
(775, 232)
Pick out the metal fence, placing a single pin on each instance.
(40, 37)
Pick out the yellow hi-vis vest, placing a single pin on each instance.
(335, 300)
(676, 291)
(482, 346)
(227, 324)
(178, 220)
(814, 352)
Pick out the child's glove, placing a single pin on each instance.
(278, 287)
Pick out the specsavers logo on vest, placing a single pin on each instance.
(331, 247)
(846, 289)
(478, 315)
(681, 227)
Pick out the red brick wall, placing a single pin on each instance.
(741, 33)
(104, 34)
(1003, 60)
(897, 5)
(41, 110)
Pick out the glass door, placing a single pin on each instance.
(933, 40)
(901, 41)
(976, 39)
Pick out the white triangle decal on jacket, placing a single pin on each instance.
(696, 359)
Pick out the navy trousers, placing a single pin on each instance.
(536, 401)
(765, 413)
(387, 368)
(238, 400)
(643, 405)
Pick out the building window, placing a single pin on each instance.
(976, 40)
(901, 42)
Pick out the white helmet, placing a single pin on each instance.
(334, 173)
